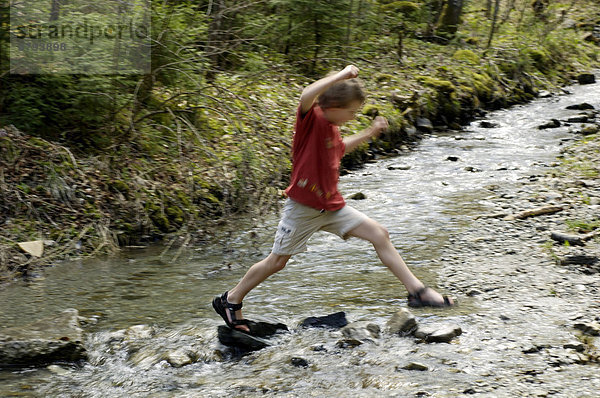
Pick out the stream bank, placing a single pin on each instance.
(539, 297)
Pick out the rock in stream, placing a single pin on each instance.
(57, 338)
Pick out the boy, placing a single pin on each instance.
(314, 202)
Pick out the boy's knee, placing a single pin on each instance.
(385, 234)
(381, 234)
(278, 262)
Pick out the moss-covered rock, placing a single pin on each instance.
(402, 7)
(467, 56)
(442, 86)
(370, 110)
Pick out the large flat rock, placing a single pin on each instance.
(56, 338)
(253, 341)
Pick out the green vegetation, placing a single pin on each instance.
(108, 160)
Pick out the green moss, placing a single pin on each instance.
(538, 57)
(450, 108)
(91, 211)
(482, 84)
(370, 110)
(383, 77)
(161, 222)
(403, 7)
(40, 143)
(118, 185)
(183, 197)
(443, 86)
(175, 214)
(467, 56)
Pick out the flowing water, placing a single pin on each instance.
(422, 197)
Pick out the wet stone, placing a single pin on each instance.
(253, 341)
(335, 321)
(358, 196)
(58, 370)
(589, 328)
(580, 107)
(586, 78)
(424, 125)
(52, 339)
(438, 333)
(299, 362)
(578, 119)
(180, 357)
(266, 329)
(415, 366)
(348, 343)
(589, 130)
(485, 124)
(234, 338)
(362, 331)
(139, 332)
(402, 322)
(575, 345)
(399, 167)
(552, 124)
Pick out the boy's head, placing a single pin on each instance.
(342, 100)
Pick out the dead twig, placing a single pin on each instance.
(575, 240)
(533, 212)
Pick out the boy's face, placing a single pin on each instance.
(339, 116)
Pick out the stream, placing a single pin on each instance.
(424, 197)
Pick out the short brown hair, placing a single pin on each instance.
(342, 93)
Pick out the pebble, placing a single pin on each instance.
(415, 366)
(438, 333)
(403, 322)
(58, 370)
(299, 362)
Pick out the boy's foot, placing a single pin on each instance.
(231, 313)
(427, 297)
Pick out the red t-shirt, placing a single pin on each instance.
(317, 149)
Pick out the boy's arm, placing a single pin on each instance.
(312, 91)
(352, 142)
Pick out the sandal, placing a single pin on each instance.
(415, 300)
(221, 305)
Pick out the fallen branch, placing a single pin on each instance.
(575, 240)
(533, 212)
(493, 215)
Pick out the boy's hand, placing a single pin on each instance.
(379, 125)
(349, 72)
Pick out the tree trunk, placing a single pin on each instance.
(435, 9)
(494, 19)
(215, 35)
(488, 9)
(539, 8)
(55, 10)
(348, 28)
(317, 28)
(286, 50)
(400, 47)
(450, 18)
(509, 8)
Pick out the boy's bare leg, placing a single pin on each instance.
(255, 276)
(375, 233)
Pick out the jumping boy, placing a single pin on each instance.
(313, 202)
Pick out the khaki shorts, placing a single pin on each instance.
(299, 222)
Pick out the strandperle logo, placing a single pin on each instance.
(85, 30)
(80, 36)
